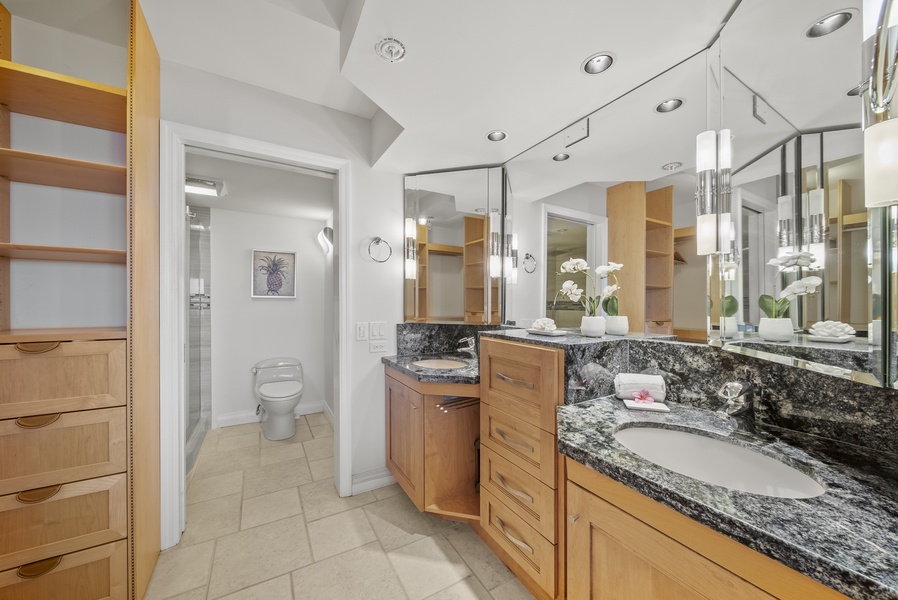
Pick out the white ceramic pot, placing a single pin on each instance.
(728, 327)
(592, 326)
(617, 325)
(775, 330)
(874, 333)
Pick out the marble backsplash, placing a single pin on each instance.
(435, 338)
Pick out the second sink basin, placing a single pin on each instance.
(717, 462)
(440, 363)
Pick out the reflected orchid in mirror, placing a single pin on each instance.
(643, 397)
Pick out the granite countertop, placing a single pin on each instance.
(847, 538)
(405, 365)
(572, 337)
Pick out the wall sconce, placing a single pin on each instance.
(205, 186)
(326, 240)
(879, 118)
(411, 249)
(715, 229)
(785, 229)
(495, 245)
(817, 230)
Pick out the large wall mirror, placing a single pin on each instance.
(454, 246)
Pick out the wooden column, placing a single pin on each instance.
(626, 245)
(6, 54)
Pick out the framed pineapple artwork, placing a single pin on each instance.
(274, 274)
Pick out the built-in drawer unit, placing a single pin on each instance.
(530, 448)
(528, 497)
(49, 377)
(98, 573)
(530, 550)
(46, 522)
(522, 380)
(45, 450)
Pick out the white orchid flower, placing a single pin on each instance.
(574, 265)
(606, 270)
(802, 287)
(792, 259)
(571, 290)
(609, 290)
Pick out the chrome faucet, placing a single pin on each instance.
(738, 405)
(468, 345)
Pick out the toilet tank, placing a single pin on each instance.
(279, 368)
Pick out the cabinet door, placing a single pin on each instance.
(614, 556)
(405, 439)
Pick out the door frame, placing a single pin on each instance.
(174, 138)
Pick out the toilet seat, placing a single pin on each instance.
(280, 389)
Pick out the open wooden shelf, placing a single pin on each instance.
(655, 223)
(465, 507)
(41, 169)
(656, 253)
(39, 93)
(63, 334)
(652, 286)
(62, 253)
(684, 233)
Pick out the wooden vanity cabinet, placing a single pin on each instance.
(430, 444)
(521, 385)
(621, 544)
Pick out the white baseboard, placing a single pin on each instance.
(371, 480)
(242, 417)
(329, 413)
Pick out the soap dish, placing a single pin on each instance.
(653, 407)
(553, 333)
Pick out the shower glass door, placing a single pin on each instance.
(199, 347)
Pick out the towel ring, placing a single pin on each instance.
(377, 241)
(529, 263)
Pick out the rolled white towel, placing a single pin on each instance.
(626, 385)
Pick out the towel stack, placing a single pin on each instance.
(626, 385)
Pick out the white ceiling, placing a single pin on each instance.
(474, 66)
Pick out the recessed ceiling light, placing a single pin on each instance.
(671, 166)
(496, 136)
(390, 50)
(597, 63)
(828, 24)
(561, 156)
(669, 105)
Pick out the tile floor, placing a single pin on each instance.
(264, 522)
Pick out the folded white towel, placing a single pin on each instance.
(626, 385)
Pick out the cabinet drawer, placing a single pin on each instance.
(73, 376)
(70, 447)
(98, 573)
(528, 497)
(534, 553)
(38, 524)
(522, 379)
(526, 446)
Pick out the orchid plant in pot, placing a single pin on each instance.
(728, 308)
(616, 324)
(777, 327)
(592, 324)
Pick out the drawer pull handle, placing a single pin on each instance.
(519, 543)
(39, 568)
(513, 441)
(519, 382)
(38, 494)
(574, 518)
(513, 491)
(37, 421)
(36, 347)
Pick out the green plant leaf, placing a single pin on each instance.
(730, 306)
(782, 307)
(610, 306)
(767, 305)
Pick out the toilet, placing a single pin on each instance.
(277, 384)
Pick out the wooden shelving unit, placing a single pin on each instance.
(67, 334)
(476, 267)
(55, 171)
(62, 253)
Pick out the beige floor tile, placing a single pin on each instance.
(319, 431)
(244, 440)
(480, 559)
(274, 477)
(397, 522)
(315, 419)
(211, 519)
(320, 500)
(388, 491)
(466, 589)
(319, 448)
(270, 507)
(180, 570)
(322, 469)
(216, 486)
(338, 533)
(273, 589)
(210, 442)
(258, 554)
(240, 429)
(197, 594)
(513, 590)
(361, 573)
(228, 461)
(276, 454)
(428, 566)
(303, 434)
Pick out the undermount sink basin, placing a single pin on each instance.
(719, 463)
(440, 363)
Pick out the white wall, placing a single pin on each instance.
(204, 100)
(246, 330)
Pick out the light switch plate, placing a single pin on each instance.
(361, 331)
(378, 330)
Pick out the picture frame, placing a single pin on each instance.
(273, 274)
